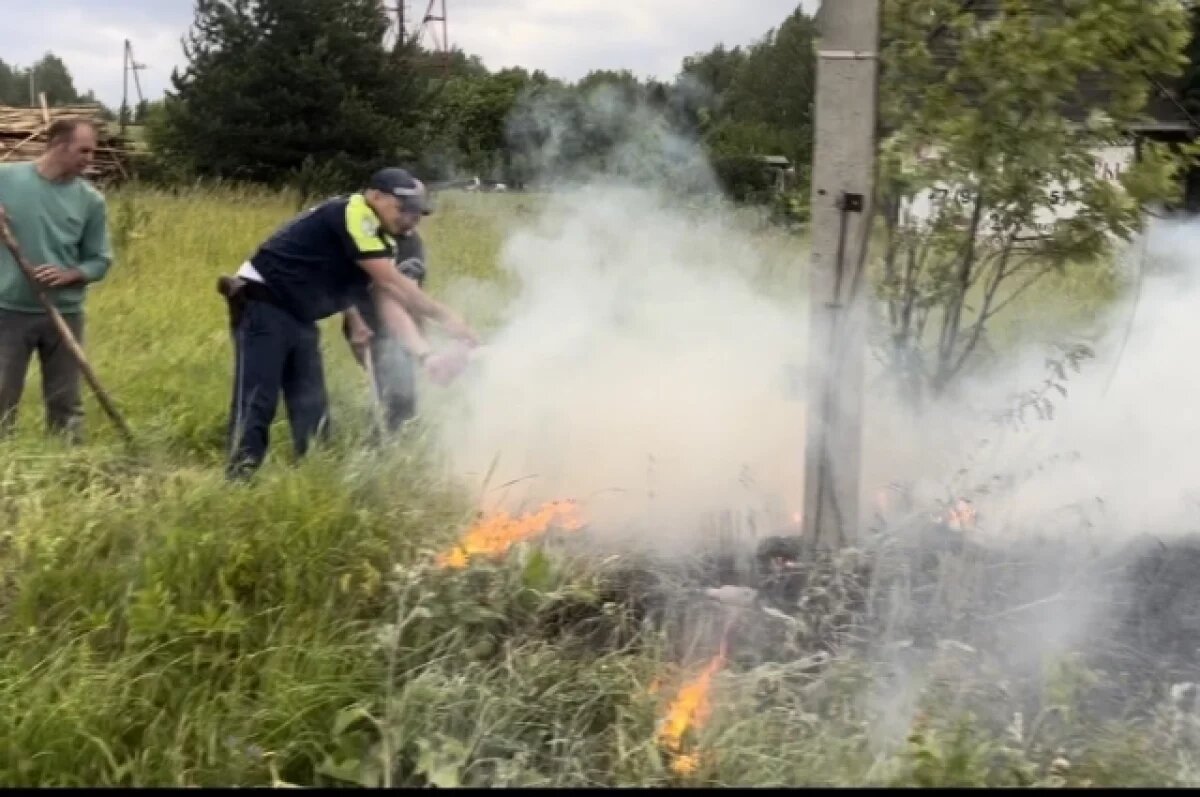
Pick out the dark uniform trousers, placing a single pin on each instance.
(275, 353)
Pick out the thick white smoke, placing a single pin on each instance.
(639, 368)
(1117, 459)
(643, 368)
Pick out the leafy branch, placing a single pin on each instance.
(989, 174)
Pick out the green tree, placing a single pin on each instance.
(51, 77)
(758, 100)
(456, 63)
(700, 86)
(274, 88)
(993, 121)
(10, 86)
(601, 123)
(623, 82)
(466, 124)
(715, 70)
(773, 89)
(747, 103)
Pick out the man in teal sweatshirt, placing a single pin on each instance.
(60, 222)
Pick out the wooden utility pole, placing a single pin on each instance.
(842, 207)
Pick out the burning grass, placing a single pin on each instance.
(160, 628)
(523, 668)
(493, 535)
(688, 713)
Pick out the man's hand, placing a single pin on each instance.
(54, 277)
(6, 234)
(443, 367)
(359, 336)
(457, 328)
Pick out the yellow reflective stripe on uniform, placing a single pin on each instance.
(363, 226)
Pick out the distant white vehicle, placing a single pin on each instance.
(477, 185)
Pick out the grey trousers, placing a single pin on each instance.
(395, 381)
(23, 334)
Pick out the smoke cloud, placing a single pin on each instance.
(643, 366)
(647, 366)
(639, 369)
(1116, 460)
(1086, 509)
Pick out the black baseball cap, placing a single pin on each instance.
(399, 183)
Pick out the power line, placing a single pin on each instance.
(1170, 95)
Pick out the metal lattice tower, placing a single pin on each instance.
(130, 67)
(434, 25)
(431, 32)
(397, 17)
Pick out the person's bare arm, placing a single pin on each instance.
(386, 278)
(400, 324)
(358, 333)
(441, 368)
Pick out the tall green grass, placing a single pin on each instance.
(160, 627)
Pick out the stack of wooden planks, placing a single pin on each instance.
(23, 138)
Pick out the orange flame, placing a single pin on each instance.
(690, 709)
(495, 534)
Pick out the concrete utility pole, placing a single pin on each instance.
(842, 207)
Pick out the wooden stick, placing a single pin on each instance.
(20, 144)
(65, 331)
(376, 400)
(120, 167)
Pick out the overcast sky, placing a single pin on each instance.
(564, 37)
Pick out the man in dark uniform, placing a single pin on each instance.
(393, 370)
(321, 263)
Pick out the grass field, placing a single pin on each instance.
(162, 628)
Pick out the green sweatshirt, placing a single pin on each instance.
(61, 224)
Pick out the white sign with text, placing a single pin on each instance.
(1111, 162)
